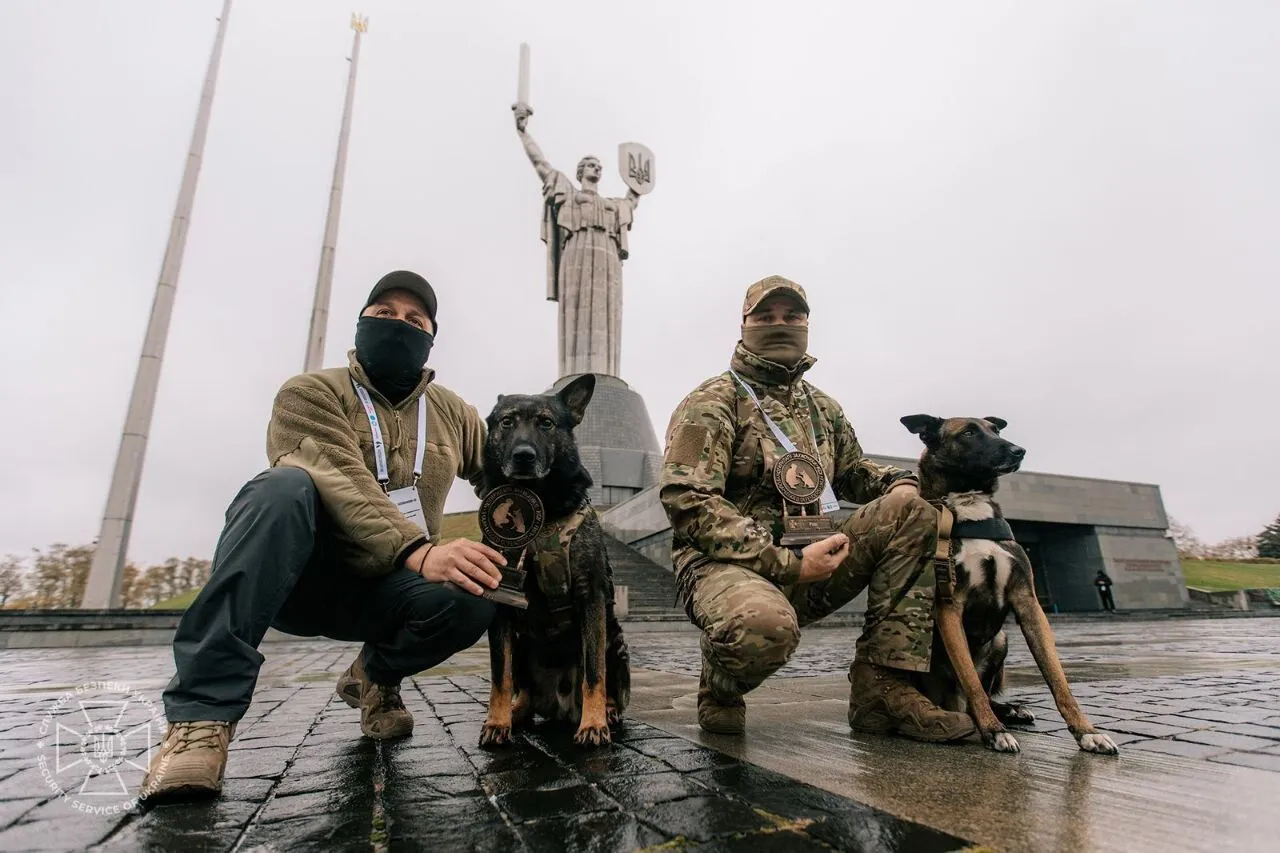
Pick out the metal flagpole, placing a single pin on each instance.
(324, 279)
(102, 589)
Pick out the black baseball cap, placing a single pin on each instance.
(405, 280)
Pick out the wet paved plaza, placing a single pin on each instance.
(1195, 705)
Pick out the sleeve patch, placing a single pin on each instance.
(687, 443)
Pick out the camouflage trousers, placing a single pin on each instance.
(751, 626)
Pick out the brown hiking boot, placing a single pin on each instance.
(350, 683)
(721, 709)
(382, 712)
(882, 700)
(190, 761)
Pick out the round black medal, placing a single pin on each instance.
(798, 478)
(510, 517)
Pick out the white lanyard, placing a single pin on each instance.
(380, 450)
(829, 502)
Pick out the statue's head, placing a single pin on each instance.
(589, 170)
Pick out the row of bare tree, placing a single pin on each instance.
(55, 577)
(1190, 547)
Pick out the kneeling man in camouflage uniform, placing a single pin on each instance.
(750, 595)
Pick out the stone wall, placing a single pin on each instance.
(640, 517)
(616, 441)
(656, 547)
(1029, 496)
(1072, 525)
(1145, 568)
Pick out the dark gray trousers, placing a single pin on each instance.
(275, 565)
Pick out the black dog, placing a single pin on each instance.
(567, 664)
(962, 461)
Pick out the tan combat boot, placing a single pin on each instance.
(190, 761)
(721, 709)
(382, 712)
(882, 700)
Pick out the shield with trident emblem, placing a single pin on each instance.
(635, 162)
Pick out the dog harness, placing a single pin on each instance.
(996, 529)
(943, 565)
(553, 575)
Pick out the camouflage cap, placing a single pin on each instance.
(766, 287)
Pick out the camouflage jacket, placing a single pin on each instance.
(717, 474)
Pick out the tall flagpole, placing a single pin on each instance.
(324, 278)
(102, 589)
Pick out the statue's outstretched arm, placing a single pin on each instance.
(536, 157)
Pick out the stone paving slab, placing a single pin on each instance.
(300, 777)
(1195, 705)
(1166, 682)
(1211, 715)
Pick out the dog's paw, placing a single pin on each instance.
(1000, 741)
(1016, 715)
(614, 716)
(593, 735)
(1098, 742)
(495, 735)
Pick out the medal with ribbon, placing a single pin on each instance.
(806, 493)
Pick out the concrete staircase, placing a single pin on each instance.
(651, 587)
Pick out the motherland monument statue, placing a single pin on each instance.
(586, 237)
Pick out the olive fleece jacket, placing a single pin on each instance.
(318, 425)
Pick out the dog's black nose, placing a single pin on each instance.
(524, 454)
(1017, 452)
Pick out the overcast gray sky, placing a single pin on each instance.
(1064, 214)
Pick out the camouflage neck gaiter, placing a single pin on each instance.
(780, 343)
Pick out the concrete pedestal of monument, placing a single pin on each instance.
(617, 441)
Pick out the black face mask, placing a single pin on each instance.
(392, 352)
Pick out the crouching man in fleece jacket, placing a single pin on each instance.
(338, 539)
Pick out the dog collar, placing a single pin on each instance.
(988, 528)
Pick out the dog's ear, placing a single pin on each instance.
(926, 426)
(998, 423)
(577, 394)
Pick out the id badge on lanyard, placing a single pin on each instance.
(829, 502)
(407, 500)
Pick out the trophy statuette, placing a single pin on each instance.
(799, 480)
(511, 517)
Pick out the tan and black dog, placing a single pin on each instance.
(564, 658)
(962, 461)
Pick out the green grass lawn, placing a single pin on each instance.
(181, 602)
(1217, 576)
(453, 526)
(460, 525)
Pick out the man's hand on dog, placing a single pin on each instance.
(820, 559)
(470, 565)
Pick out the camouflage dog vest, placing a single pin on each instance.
(553, 575)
